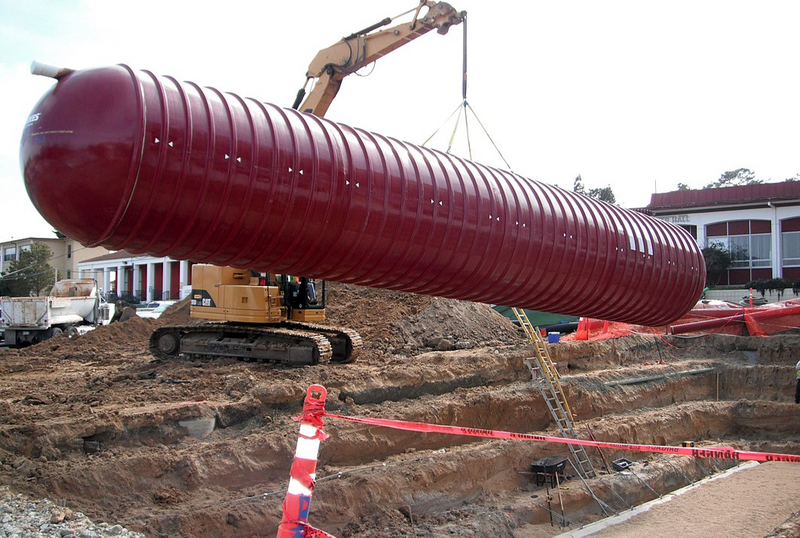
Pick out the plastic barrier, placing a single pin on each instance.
(297, 503)
(599, 329)
(715, 452)
(704, 319)
(773, 318)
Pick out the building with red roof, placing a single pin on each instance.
(758, 224)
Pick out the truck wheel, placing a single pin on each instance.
(55, 331)
(73, 333)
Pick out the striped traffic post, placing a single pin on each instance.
(296, 505)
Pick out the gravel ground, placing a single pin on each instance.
(21, 517)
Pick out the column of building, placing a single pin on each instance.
(184, 274)
(166, 279)
(151, 276)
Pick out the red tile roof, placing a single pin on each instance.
(740, 195)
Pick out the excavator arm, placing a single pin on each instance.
(333, 64)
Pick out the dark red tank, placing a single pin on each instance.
(129, 160)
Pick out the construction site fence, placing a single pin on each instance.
(303, 472)
(765, 320)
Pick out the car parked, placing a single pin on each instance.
(154, 309)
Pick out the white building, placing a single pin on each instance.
(138, 277)
(758, 224)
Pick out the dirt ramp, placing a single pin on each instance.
(396, 323)
(448, 324)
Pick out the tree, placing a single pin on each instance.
(31, 274)
(718, 260)
(577, 186)
(605, 194)
(683, 187)
(732, 178)
(5, 286)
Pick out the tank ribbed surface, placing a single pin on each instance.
(129, 160)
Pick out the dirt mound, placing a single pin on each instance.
(449, 324)
(369, 311)
(177, 314)
(391, 322)
(117, 337)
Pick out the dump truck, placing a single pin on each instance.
(73, 307)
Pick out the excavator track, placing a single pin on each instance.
(346, 343)
(288, 346)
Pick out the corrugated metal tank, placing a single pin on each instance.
(129, 160)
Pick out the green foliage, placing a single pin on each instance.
(604, 194)
(31, 274)
(5, 287)
(718, 260)
(683, 187)
(733, 178)
(763, 285)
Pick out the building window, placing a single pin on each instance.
(691, 228)
(791, 249)
(748, 241)
(790, 242)
(25, 248)
(9, 254)
(69, 252)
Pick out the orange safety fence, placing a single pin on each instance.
(705, 318)
(772, 319)
(713, 452)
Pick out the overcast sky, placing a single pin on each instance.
(633, 94)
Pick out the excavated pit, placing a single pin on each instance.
(186, 448)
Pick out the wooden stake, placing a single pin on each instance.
(561, 502)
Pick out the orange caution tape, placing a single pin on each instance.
(716, 452)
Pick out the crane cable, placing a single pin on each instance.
(465, 108)
(464, 103)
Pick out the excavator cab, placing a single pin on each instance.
(304, 298)
(249, 296)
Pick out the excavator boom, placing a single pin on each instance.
(333, 64)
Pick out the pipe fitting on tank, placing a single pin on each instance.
(47, 70)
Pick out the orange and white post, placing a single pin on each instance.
(296, 505)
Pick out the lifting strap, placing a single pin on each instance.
(464, 108)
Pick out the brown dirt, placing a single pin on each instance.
(100, 424)
(722, 504)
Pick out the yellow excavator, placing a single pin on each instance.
(274, 317)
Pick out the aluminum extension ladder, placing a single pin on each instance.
(547, 380)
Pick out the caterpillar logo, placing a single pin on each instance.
(202, 298)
